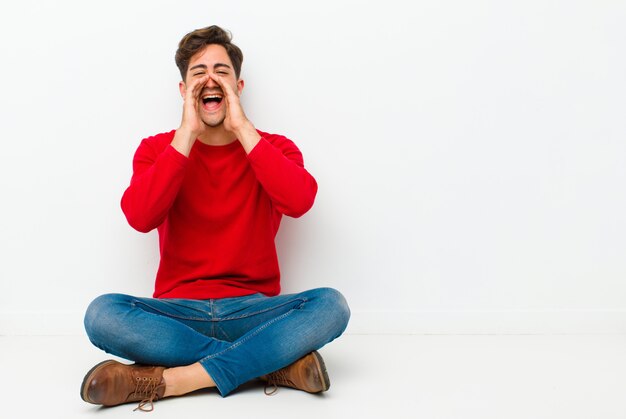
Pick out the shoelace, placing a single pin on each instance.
(275, 379)
(147, 388)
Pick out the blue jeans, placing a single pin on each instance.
(234, 339)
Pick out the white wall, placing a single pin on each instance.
(470, 154)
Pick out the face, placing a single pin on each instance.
(214, 59)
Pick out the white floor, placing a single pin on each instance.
(467, 377)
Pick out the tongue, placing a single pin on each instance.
(211, 105)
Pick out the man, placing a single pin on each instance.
(216, 189)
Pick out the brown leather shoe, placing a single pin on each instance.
(307, 374)
(111, 383)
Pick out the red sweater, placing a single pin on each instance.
(217, 212)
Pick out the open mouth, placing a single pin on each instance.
(211, 101)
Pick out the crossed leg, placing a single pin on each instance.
(221, 343)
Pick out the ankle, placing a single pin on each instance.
(183, 380)
(175, 384)
(170, 383)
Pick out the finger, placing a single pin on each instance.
(197, 86)
(229, 94)
(225, 86)
(217, 79)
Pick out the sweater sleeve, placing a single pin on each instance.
(157, 177)
(279, 168)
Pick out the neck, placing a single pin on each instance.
(216, 136)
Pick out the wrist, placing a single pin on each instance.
(187, 134)
(183, 140)
(245, 129)
(248, 137)
(185, 131)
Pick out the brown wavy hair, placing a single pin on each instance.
(195, 41)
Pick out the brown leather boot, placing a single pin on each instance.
(111, 383)
(308, 374)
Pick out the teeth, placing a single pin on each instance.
(212, 97)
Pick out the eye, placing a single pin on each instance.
(222, 72)
(199, 74)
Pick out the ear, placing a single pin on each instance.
(182, 88)
(240, 84)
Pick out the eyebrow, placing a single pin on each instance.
(204, 66)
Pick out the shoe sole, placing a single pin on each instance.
(321, 366)
(85, 385)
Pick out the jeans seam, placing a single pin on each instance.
(256, 332)
(135, 303)
(212, 309)
(302, 300)
(223, 332)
